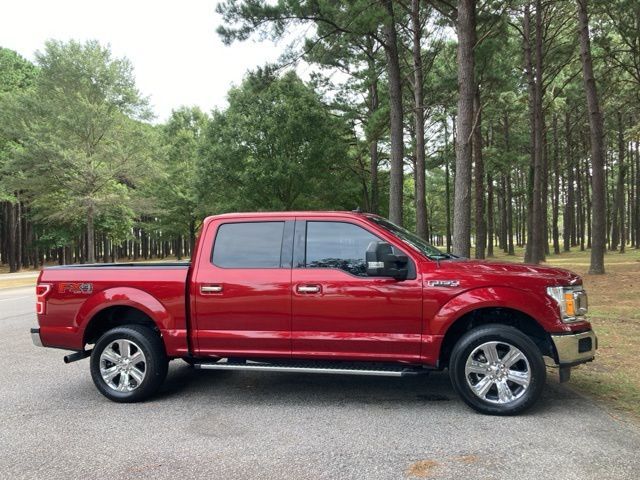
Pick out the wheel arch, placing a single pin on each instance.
(119, 306)
(495, 315)
(115, 316)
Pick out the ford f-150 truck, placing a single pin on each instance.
(319, 292)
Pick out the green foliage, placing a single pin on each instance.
(16, 73)
(277, 147)
(79, 144)
(176, 197)
(78, 152)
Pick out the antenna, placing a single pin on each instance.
(357, 210)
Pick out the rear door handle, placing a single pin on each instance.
(308, 288)
(210, 288)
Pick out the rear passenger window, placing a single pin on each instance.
(248, 245)
(338, 245)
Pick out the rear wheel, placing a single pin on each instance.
(128, 364)
(497, 370)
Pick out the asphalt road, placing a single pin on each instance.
(236, 425)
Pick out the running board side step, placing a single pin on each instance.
(310, 368)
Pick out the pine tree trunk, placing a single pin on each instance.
(509, 191)
(587, 200)
(569, 209)
(490, 226)
(633, 193)
(637, 202)
(418, 98)
(146, 247)
(91, 235)
(480, 222)
(466, 28)
(4, 238)
(447, 185)
(502, 214)
(619, 206)
(555, 203)
(192, 237)
(25, 237)
(579, 206)
(596, 124)
(511, 249)
(373, 141)
(179, 247)
(18, 244)
(545, 195)
(11, 235)
(105, 249)
(531, 88)
(535, 249)
(373, 176)
(396, 116)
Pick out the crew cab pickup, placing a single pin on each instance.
(319, 292)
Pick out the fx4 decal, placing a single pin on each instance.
(86, 288)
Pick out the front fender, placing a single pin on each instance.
(539, 307)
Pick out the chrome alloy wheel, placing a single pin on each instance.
(123, 366)
(497, 372)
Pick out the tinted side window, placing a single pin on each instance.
(338, 245)
(248, 245)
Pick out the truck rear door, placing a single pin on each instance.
(242, 288)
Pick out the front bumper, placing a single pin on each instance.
(35, 337)
(574, 349)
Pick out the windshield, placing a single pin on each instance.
(411, 239)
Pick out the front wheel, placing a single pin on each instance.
(497, 370)
(129, 363)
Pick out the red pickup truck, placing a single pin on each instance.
(319, 292)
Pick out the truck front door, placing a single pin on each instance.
(341, 313)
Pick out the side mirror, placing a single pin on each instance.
(382, 262)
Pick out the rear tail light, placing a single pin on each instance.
(42, 289)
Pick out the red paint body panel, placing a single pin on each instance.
(356, 318)
(252, 313)
(260, 313)
(158, 292)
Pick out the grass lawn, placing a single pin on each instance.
(614, 310)
(12, 282)
(19, 282)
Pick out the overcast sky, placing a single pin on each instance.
(177, 55)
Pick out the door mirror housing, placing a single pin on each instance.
(382, 262)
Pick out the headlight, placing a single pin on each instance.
(572, 302)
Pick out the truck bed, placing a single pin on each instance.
(77, 292)
(121, 265)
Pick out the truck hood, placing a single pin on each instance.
(550, 275)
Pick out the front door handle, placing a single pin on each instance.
(308, 288)
(210, 288)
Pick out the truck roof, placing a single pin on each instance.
(301, 213)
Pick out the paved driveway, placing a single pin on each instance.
(234, 425)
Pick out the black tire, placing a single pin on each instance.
(530, 366)
(154, 366)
